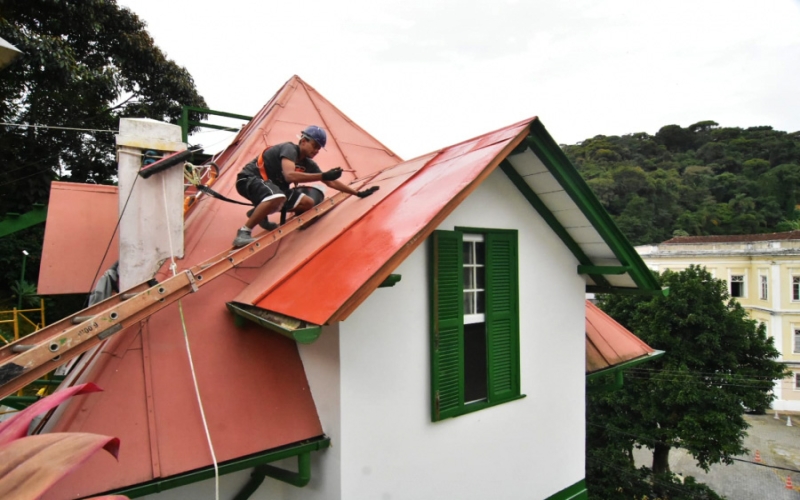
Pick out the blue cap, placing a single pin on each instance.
(316, 133)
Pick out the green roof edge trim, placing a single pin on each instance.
(305, 335)
(624, 366)
(550, 219)
(237, 464)
(576, 491)
(576, 187)
(12, 223)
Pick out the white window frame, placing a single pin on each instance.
(763, 286)
(478, 317)
(795, 288)
(743, 282)
(795, 336)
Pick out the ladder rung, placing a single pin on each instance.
(126, 296)
(22, 347)
(80, 319)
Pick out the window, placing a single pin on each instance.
(764, 286)
(796, 348)
(796, 288)
(474, 320)
(797, 381)
(737, 285)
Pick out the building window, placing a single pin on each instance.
(796, 288)
(737, 285)
(796, 347)
(474, 320)
(797, 381)
(764, 286)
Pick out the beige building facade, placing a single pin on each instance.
(763, 274)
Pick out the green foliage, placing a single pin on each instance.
(85, 64)
(699, 180)
(717, 364)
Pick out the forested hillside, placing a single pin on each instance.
(700, 180)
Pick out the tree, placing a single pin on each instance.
(84, 65)
(717, 363)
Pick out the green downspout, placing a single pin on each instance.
(300, 478)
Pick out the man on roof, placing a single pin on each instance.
(266, 180)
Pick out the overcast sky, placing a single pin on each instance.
(423, 74)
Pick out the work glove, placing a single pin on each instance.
(332, 174)
(366, 192)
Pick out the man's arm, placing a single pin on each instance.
(291, 175)
(340, 186)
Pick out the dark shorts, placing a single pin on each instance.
(257, 191)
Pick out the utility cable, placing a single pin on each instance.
(21, 125)
(173, 267)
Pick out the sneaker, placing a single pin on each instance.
(265, 223)
(243, 238)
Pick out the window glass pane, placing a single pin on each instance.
(469, 254)
(480, 306)
(469, 278)
(479, 252)
(479, 274)
(469, 303)
(475, 374)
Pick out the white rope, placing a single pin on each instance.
(173, 267)
(37, 127)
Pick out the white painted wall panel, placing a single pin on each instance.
(530, 448)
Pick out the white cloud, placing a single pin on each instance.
(420, 75)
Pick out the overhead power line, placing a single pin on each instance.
(21, 125)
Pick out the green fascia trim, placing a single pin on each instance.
(575, 492)
(623, 366)
(550, 219)
(603, 269)
(292, 450)
(625, 291)
(391, 280)
(304, 333)
(16, 222)
(567, 175)
(185, 123)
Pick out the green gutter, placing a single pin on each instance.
(616, 372)
(296, 329)
(551, 220)
(565, 173)
(296, 478)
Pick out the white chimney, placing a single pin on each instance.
(150, 229)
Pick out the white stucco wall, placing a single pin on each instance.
(530, 448)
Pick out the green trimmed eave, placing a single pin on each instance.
(296, 329)
(552, 221)
(578, 190)
(390, 281)
(616, 373)
(12, 222)
(575, 492)
(300, 450)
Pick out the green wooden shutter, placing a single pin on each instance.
(447, 313)
(502, 315)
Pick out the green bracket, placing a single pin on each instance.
(185, 123)
(296, 329)
(616, 372)
(390, 281)
(17, 222)
(603, 269)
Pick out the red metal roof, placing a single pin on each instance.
(255, 393)
(608, 343)
(81, 220)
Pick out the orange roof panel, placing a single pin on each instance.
(80, 229)
(608, 343)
